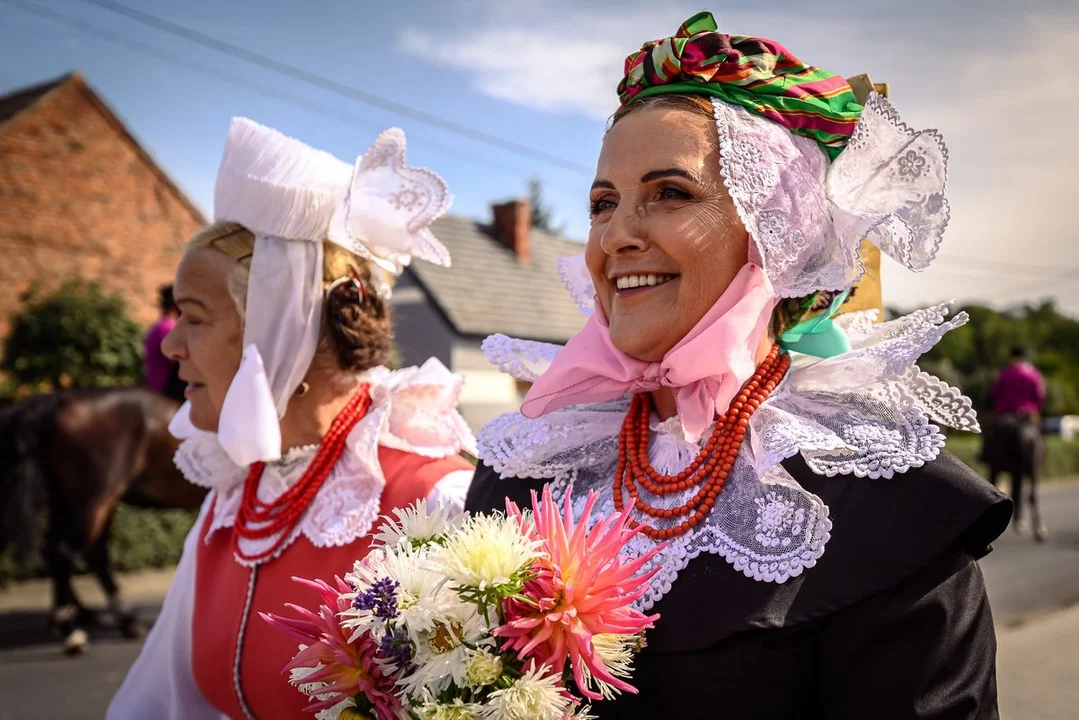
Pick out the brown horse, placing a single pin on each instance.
(1013, 444)
(76, 455)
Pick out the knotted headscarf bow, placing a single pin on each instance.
(758, 74)
(819, 336)
(706, 369)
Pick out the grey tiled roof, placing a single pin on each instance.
(487, 290)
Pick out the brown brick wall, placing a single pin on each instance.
(78, 198)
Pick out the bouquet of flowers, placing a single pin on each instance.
(482, 617)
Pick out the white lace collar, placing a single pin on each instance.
(868, 412)
(414, 409)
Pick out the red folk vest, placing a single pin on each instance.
(236, 653)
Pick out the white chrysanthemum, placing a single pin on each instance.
(482, 669)
(457, 710)
(311, 690)
(442, 652)
(486, 551)
(616, 652)
(418, 524)
(421, 594)
(332, 713)
(532, 697)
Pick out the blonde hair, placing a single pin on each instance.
(355, 320)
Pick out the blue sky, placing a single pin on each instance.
(543, 75)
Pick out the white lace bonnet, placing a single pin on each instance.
(293, 197)
(807, 216)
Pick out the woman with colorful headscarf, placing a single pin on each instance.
(819, 546)
(292, 420)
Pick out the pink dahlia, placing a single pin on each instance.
(346, 668)
(583, 589)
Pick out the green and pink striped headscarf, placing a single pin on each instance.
(760, 75)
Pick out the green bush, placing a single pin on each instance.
(148, 538)
(78, 336)
(141, 539)
(1061, 456)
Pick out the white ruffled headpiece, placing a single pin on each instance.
(293, 197)
(807, 218)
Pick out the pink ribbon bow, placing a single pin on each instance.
(706, 369)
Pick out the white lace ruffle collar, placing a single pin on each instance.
(414, 409)
(869, 412)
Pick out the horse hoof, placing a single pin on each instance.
(1041, 533)
(76, 643)
(1022, 527)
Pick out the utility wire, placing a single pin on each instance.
(265, 90)
(340, 88)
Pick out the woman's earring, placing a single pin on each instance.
(304, 388)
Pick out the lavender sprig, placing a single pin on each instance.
(380, 598)
(396, 647)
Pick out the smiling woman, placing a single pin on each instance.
(660, 209)
(814, 548)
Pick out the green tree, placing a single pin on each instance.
(542, 213)
(77, 336)
(972, 355)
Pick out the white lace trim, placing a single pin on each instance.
(869, 413)
(574, 275)
(414, 410)
(808, 218)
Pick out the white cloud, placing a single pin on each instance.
(988, 80)
(536, 69)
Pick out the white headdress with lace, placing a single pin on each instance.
(293, 198)
(808, 217)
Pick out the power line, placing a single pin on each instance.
(325, 83)
(265, 90)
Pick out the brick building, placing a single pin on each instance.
(80, 197)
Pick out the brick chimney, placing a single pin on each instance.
(513, 227)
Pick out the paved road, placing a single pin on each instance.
(1027, 580)
(1029, 585)
(1037, 671)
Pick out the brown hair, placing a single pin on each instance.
(356, 320)
(789, 311)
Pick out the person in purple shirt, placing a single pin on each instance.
(160, 371)
(1019, 387)
(1013, 443)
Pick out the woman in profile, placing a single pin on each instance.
(292, 419)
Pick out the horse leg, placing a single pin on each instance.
(98, 559)
(66, 609)
(1017, 497)
(1041, 532)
